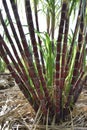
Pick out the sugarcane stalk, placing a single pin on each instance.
(58, 91)
(12, 45)
(28, 55)
(74, 38)
(39, 41)
(27, 52)
(21, 75)
(35, 50)
(17, 78)
(78, 87)
(53, 24)
(78, 59)
(64, 51)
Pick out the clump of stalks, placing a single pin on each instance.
(49, 72)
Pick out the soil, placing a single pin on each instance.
(16, 112)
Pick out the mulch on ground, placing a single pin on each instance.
(15, 110)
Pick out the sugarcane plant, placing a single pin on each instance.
(48, 70)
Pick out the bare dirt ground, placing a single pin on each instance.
(15, 110)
